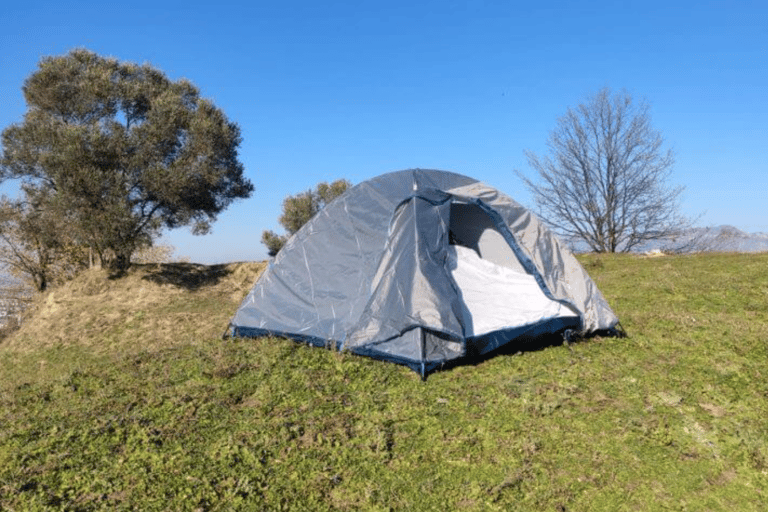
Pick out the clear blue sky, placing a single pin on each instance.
(330, 89)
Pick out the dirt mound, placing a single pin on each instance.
(150, 307)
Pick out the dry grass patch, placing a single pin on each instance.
(152, 306)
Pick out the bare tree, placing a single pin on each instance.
(36, 246)
(605, 180)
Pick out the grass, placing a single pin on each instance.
(120, 395)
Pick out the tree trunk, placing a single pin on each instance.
(41, 282)
(120, 263)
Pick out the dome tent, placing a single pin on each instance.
(422, 267)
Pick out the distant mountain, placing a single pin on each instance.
(707, 239)
(731, 239)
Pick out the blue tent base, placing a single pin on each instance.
(477, 349)
(482, 347)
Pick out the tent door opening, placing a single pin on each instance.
(495, 290)
(471, 227)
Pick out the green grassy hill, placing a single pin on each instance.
(121, 395)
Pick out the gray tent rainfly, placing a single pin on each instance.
(422, 267)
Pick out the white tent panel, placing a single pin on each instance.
(497, 297)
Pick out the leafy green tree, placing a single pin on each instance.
(298, 209)
(273, 241)
(124, 151)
